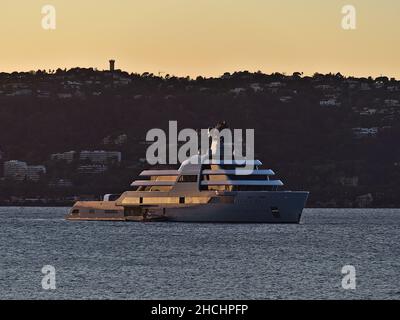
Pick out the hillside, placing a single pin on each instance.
(337, 137)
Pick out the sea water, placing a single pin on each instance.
(127, 260)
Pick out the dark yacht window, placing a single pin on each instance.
(247, 177)
(114, 197)
(253, 188)
(233, 166)
(191, 178)
(275, 212)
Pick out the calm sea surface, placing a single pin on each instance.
(109, 260)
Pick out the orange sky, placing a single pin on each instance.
(203, 37)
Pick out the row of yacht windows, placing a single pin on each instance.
(208, 177)
(212, 188)
(238, 188)
(176, 200)
(194, 179)
(165, 200)
(225, 166)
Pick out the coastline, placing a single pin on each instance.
(70, 204)
(36, 205)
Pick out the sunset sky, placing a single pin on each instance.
(203, 37)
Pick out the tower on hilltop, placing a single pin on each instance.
(112, 65)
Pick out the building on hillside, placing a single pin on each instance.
(365, 200)
(102, 157)
(15, 170)
(19, 171)
(92, 169)
(35, 173)
(348, 181)
(365, 132)
(66, 156)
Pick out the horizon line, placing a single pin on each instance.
(161, 73)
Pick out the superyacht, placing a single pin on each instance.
(203, 189)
